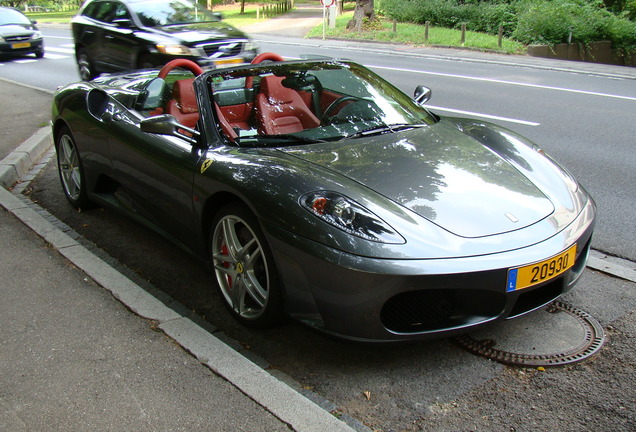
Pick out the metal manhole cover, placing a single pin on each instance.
(555, 335)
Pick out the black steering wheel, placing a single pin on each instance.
(180, 63)
(324, 119)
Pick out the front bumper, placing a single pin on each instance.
(21, 48)
(368, 299)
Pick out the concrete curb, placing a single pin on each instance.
(292, 408)
(20, 161)
(613, 266)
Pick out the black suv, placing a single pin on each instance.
(114, 35)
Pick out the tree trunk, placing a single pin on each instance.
(364, 9)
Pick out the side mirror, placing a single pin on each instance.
(218, 15)
(422, 94)
(166, 124)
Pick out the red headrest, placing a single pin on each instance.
(183, 93)
(272, 87)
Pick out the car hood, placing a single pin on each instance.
(199, 32)
(16, 30)
(443, 175)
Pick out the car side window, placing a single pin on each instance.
(91, 10)
(120, 12)
(104, 11)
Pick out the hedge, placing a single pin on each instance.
(527, 21)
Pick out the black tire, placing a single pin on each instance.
(244, 267)
(71, 170)
(39, 53)
(85, 65)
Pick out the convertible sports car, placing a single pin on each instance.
(316, 189)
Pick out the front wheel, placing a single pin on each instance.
(244, 268)
(70, 168)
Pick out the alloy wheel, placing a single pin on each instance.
(241, 267)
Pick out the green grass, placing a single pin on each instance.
(52, 17)
(234, 17)
(413, 34)
(410, 34)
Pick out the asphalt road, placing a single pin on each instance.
(584, 121)
(433, 385)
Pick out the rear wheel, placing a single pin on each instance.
(244, 268)
(85, 65)
(69, 165)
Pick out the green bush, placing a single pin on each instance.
(528, 21)
(478, 16)
(552, 22)
(622, 33)
(630, 10)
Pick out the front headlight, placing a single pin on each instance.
(174, 50)
(349, 216)
(37, 35)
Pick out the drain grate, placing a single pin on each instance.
(582, 335)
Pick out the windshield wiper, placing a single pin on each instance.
(281, 137)
(376, 130)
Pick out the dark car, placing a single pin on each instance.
(18, 34)
(316, 189)
(116, 35)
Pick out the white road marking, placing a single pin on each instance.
(515, 83)
(52, 56)
(59, 50)
(488, 116)
(25, 61)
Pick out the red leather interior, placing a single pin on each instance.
(281, 110)
(225, 125)
(238, 115)
(183, 105)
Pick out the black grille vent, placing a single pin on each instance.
(430, 310)
(14, 39)
(223, 49)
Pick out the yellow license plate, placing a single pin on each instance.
(20, 45)
(228, 61)
(527, 276)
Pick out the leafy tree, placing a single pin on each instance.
(364, 10)
(13, 3)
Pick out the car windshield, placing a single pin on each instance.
(304, 102)
(153, 13)
(9, 16)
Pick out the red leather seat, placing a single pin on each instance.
(183, 105)
(281, 110)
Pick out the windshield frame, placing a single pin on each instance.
(393, 106)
